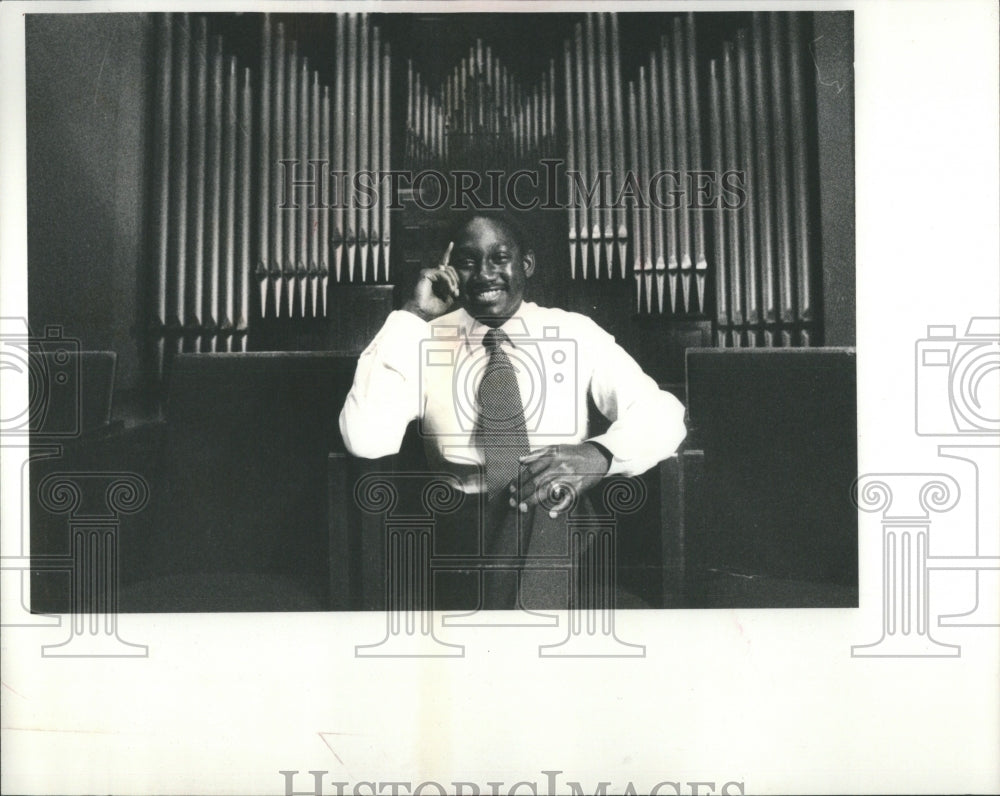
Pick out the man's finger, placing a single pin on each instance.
(446, 273)
(535, 468)
(446, 258)
(535, 490)
(522, 492)
(442, 285)
(535, 455)
(563, 504)
(452, 278)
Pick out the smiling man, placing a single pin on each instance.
(500, 388)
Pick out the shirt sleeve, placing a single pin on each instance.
(647, 423)
(385, 395)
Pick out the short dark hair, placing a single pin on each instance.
(502, 218)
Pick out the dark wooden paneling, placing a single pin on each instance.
(833, 50)
(779, 434)
(239, 505)
(357, 312)
(116, 450)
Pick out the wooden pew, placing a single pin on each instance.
(237, 511)
(772, 524)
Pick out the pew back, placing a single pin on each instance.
(778, 428)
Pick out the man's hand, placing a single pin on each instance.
(556, 475)
(436, 290)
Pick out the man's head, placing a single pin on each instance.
(494, 261)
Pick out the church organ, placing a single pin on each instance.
(311, 235)
(764, 278)
(678, 150)
(201, 193)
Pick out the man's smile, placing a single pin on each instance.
(487, 294)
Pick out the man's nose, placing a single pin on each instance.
(484, 266)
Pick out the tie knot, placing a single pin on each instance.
(494, 339)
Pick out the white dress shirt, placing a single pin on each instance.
(430, 372)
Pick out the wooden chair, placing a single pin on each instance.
(359, 533)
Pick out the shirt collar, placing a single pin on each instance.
(516, 326)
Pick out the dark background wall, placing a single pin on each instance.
(87, 137)
(833, 56)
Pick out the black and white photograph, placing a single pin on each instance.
(359, 357)
(324, 217)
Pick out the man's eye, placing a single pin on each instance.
(502, 258)
(465, 263)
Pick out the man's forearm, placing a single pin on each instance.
(385, 395)
(608, 456)
(648, 431)
(414, 307)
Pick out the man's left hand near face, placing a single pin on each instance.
(555, 475)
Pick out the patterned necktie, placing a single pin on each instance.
(501, 426)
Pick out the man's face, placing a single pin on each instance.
(492, 270)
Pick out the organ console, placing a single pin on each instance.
(683, 154)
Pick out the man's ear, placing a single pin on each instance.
(528, 261)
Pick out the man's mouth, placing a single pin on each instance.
(487, 295)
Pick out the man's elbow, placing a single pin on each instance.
(360, 440)
(368, 448)
(680, 432)
(672, 428)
